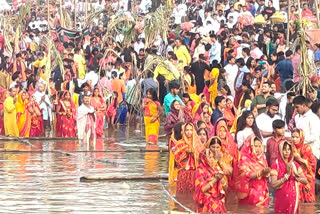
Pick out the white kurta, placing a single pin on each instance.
(82, 117)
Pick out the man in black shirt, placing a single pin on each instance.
(270, 10)
(198, 69)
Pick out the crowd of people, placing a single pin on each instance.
(235, 118)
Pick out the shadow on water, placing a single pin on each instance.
(45, 178)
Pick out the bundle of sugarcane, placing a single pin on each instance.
(306, 67)
(156, 23)
(121, 24)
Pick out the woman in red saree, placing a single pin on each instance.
(252, 185)
(98, 104)
(189, 104)
(201, 111)
(286, 174)
(303, 155)
(67, 112)
(220, 130)
(36, 118)
(212, 177)
(186, 153)
(152, 112)
(4, 95)
(23, 114)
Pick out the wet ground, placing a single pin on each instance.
(44, 177)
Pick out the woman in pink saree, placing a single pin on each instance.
(286, 174)
(98, 104)
(252, 185)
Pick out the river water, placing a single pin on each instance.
(44, 177)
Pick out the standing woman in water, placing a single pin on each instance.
(303, 155)
(212, 177)
(286, 174)
(186, 154)
(252, 185)
(174, 139)
(152, 112)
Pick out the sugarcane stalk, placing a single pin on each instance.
(288, 23)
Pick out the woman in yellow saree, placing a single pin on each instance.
(23, 114)
(152, 113)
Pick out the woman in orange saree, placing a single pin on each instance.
(152, 113)
(303, 155)
(36, 119)
(186, 153)
(212, 177)
(98, 104)
(23, 114)
(221, 130)
(286, 174)
(252, 185)
(67, 112)
(230, 112)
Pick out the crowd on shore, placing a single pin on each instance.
(235, 117)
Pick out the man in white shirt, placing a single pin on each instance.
(221, 17)
(264, 120)
(232, 71)
(309, 123)
(86, 121)
(45, 106)
(215, 51)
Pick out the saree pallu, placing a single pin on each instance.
(173, 170)
(58, 125)
(307, 191)
(287, 196)
(186, 181)
(152, 129)
(213, 200)
(23, 117)
(2, 132)
(99, 116)
(67, 124)
(186, 167)
(252, 191)
(36, 126)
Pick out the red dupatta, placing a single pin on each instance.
(307, 191)
(252, 191)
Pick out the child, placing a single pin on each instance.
(222, 78)
(273, 143)
(112, 109)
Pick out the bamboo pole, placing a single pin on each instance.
(61, 14)
(288, 24)
(86, 6)
(48, 15)
(75, 14)
(317, 11)
(124, 178)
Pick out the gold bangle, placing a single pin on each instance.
(258, 174)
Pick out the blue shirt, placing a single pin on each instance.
(215, 116)
(317, 55)
(285, 69)
(168, 99)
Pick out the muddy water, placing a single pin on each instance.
(45, 178)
